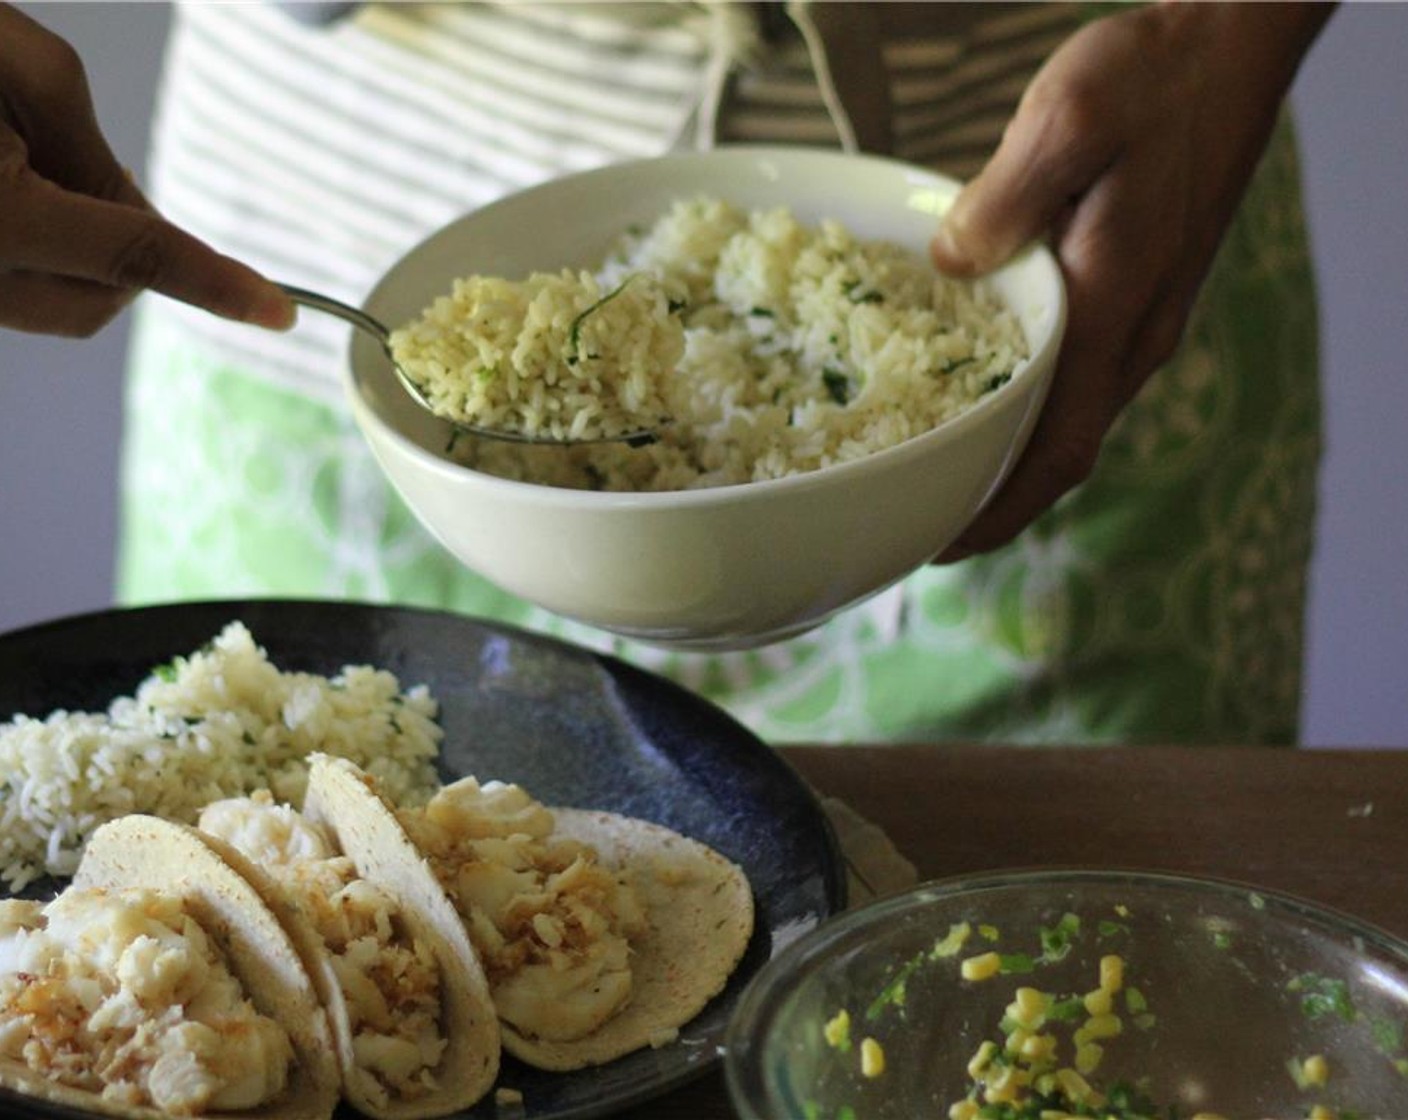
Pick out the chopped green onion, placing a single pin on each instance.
(1056, 941)
(1016, 963)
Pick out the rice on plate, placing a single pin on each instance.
(221, 723)
(773, 347)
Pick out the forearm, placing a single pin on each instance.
(1266, 41)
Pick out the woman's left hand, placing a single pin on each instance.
(1130, 150)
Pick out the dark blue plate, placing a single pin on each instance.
(572, 727)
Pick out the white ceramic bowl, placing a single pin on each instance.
(721, 568)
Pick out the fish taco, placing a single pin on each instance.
(158, 984)
(599, 934)
(414, 1031)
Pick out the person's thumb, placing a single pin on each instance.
(1032, 179)
(981, 230)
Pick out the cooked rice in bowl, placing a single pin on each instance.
(773, 347)
(556, 355)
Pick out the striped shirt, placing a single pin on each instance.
(321, 153)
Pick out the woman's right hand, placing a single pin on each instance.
(77, 239)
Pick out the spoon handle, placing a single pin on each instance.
(354, 315)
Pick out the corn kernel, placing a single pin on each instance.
(1316, 1070)
(1098, 1027)
(982, 1059)
(1004, 1087)
(953, 942)
(838, 1030)
(1039, 1047)
(1111, 973)
(872, 1058)
(1088, 1057)
(982, 967)
(964, 1110)
(1074, 1085)
(1319, 1112)
(1030, 1005)
(1098, 1002)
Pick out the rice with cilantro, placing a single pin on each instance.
(220, 723)
(558, 356)
(801, 346)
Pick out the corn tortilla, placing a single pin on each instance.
(699, 908)
(341, 798)
(147, 852)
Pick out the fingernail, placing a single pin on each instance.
(273, 310)
(947, 253)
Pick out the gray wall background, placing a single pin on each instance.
(60, 401)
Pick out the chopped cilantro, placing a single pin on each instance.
(857, 292)
(762, 313)
(574, 332)
(997, 381)
(168, 671)
(1016, 963)
(1322, 995)
(1108, 928)
(955, 364)
(838, 385)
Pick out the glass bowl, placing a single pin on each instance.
(1229, 995)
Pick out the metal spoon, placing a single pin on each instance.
(378, 330)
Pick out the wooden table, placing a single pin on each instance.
(1331, 826)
